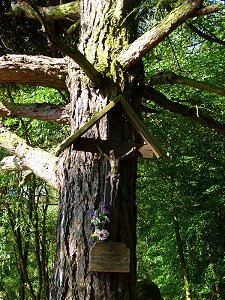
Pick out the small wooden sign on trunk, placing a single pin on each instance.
(109, 256)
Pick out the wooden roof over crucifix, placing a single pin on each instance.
(148, 149)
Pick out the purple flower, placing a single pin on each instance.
(106, 210)
(99, 218)
(92, 213)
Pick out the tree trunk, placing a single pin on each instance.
(182, 258)
(107, 47)
(216, 286)
(83, 175)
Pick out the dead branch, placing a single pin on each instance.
(40, 111)
(36, 70)
(40, 162)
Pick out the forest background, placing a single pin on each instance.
(180, 201)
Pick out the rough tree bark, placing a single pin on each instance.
(83, 185)
(99, 70)
(40, 111)
(37, 70)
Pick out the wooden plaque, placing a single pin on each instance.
(109, 256)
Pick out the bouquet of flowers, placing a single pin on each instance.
(99, 219)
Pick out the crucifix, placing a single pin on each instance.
(114, 173)
(114, 149)
(112, 255)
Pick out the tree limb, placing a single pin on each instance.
(189, 112)
(141, 46)
(36, 70)
(11, 163)
(40, 162)
(203, 11)
(40, 111)
(73, 53)
(172, 78)
(205, 36)
(207, 10)
(69, 10)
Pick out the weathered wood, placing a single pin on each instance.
(42, 111)
(35, 70)
(146, 151)
(89, 145)
(69, 10)
(109, 257)
(71, 139)
(141, 129)
(42, 163)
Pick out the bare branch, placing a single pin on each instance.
(36, 70)
(40, 162)
(40, 111)
(192, 113)
(135, 51)
(172, 78)
(207, 10)
(206, 36)
(69, 10)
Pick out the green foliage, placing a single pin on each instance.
(41, 134)
(27, 233)
(28, 213)
(191, 183)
